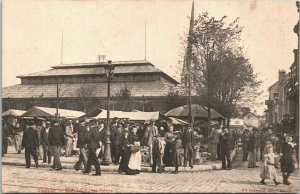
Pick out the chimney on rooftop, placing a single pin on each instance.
(281, 74)
(101, 58)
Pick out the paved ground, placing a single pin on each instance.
(240, 179)
(12, 158)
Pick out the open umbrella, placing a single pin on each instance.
(198, 111)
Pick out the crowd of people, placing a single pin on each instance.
(273, 150)
(46, 139)
(164, 145)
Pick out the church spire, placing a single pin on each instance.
(187, 56)
(191, 20)
(187, 66)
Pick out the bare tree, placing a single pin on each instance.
(125, 101)
(85, 93)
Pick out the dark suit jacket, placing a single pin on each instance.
(185, 138)
(94, 138)
(30, 138)
(116, 137)
(82, 136)
(56, 136)
(132, 138)
(225, 141)
(102, 134)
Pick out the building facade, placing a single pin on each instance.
(283, 103)
(135, 85)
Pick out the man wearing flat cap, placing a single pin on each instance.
(158, 152)
(45, 143)
(150, 132)
(82, 132)
(188, 141)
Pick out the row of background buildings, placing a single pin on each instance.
(283, 103)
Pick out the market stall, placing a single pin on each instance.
(37, 111)
(13, 112)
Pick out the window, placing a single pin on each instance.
(129, 78)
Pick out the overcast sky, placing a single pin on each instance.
(32, 33)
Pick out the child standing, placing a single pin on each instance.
(268, 170)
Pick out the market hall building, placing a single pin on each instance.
(135, 85)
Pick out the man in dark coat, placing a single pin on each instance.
(287, 162)
(151, 131)
(93, 142)
(188, 141)
(116, 144)
(225, 148)
(45, 143)
(83, 131)
(30, 142)
(158, 152)
(56, 141)
(245, 141)
(5, 134)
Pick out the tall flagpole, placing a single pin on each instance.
(145, 38)
(62, 46)
(188, 65)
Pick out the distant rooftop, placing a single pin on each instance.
(116, 63)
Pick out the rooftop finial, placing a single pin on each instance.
(101, 58)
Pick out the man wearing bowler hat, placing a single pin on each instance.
(56, 141)
(30, 142)
(93, 142)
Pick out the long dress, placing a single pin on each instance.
(268, 170)
(134, 164)
(252, 152)
(168, 151)
(125, 154)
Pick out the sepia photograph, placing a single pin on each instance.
(152, 96)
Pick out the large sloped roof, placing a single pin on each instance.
(122, 67)
(146, 88)
(93, 70)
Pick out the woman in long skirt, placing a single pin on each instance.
(168, 152)
(177, 152)
(134, 164)
(252, 151)
(17, 132)
(125, 154)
